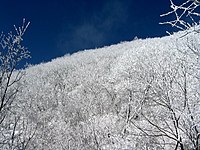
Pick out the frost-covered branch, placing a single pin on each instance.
(12, 52)
(10, 56)
(184, 14)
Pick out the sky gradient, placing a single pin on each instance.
(59, 27)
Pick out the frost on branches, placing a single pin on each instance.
(185, 15)
(14, 131)
(12, 52)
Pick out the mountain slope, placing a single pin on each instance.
(125, 96)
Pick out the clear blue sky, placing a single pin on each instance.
(67, 26)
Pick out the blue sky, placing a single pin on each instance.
(59, 27)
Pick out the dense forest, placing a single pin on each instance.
(137, 95)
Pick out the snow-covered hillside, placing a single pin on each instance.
(142, 94)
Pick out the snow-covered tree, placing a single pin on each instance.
(13, 129)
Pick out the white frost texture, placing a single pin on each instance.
(137, 95)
